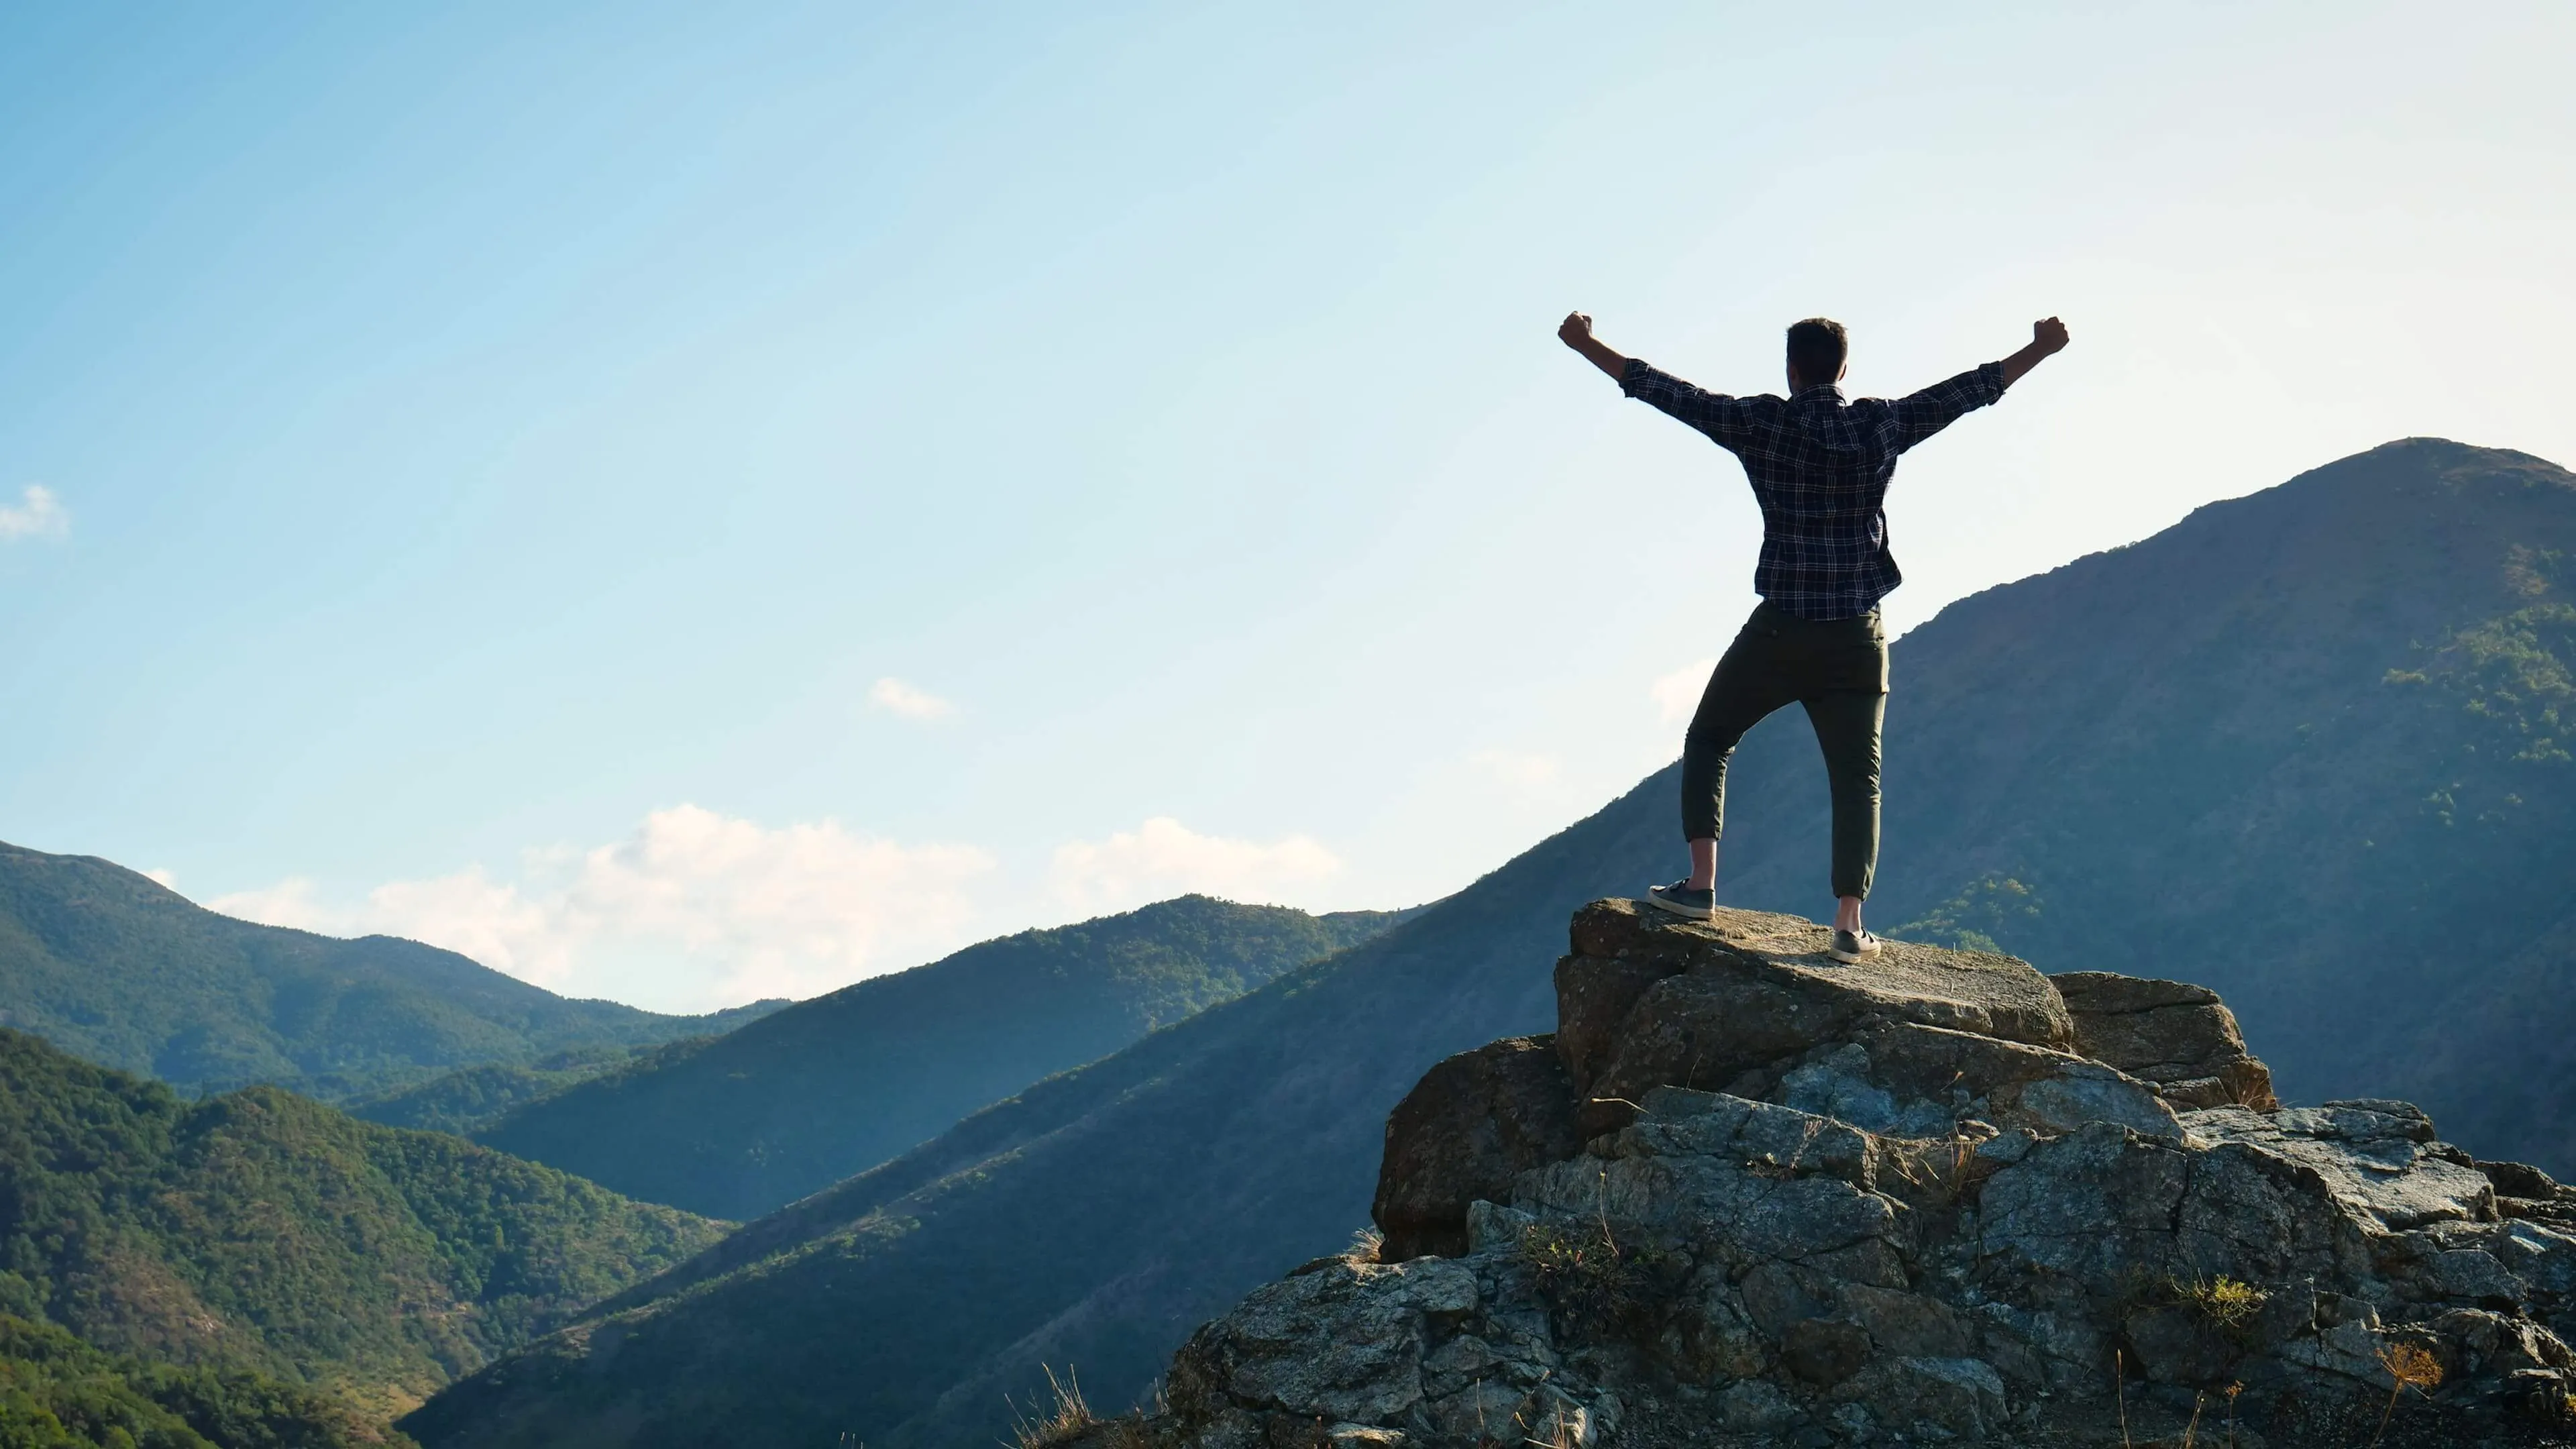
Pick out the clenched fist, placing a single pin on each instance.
(2048, 335)
(1576, 332)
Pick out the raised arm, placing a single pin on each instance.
(1576, 332)
(1938, 406)
(2047, 338)
(1719, 416)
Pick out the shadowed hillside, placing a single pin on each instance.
(469, 1099)
(112, 966)
(738, 1125)
(2301, 747)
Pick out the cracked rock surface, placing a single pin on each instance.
(1749, 1196)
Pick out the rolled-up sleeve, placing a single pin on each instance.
(1938, 406)
(1722, 418)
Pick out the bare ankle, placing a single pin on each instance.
(1703, 872)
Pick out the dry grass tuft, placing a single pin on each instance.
(1591, 1281)
(1561, 1434)
(2120, 1386)
(1069, 1418)
(1935, 1164)
(1364, 1248)
(2410, 1366)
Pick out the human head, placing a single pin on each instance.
(1817, 349)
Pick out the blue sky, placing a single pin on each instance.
(688, 504)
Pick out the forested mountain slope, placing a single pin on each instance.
(260, 1229)
(469, 1099)
(113, 967)
(741, 1124)
(2305, 747)
(57, 1392)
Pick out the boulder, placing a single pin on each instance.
(2526, 1192)
(1594, 995)
(1824, 1351)
(1343, 1344)
(1952, 1397)
(1909, 1325)
(2520, 1180)
(1470, 1126)
(1742, 995)
(2179, 1036)
(2375, 1160)
(2006, 1083)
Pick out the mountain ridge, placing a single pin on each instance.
(123, 971)
(739, 1125)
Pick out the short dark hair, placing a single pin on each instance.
(1817, 348)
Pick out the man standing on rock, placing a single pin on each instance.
(1819, 466)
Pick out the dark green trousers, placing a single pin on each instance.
(1837, 668)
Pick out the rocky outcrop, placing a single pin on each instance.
(1749, 1196)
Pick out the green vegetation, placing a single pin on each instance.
(738, 1125)
(2224, 1301)
(2512, 679)
(1995, 911)
(2187, 745)
(470, 1099)
(111, 966)
(57, 1392)
(1595, 1286)
(261, 1230)
(2227, 1305)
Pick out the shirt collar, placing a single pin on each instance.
(1824, 390)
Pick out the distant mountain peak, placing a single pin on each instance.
(118, 968)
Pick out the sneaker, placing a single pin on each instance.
(1681, 900)
(1853, 946)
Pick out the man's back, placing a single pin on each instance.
(1820, 467)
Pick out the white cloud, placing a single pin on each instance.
(692, 910)
(294, 902)
(1677, 694)
(37, 514)
(1517, 768)
(1163, 858)
(895, 697)
(162, 878)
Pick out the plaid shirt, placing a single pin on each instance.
(1819, 468)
